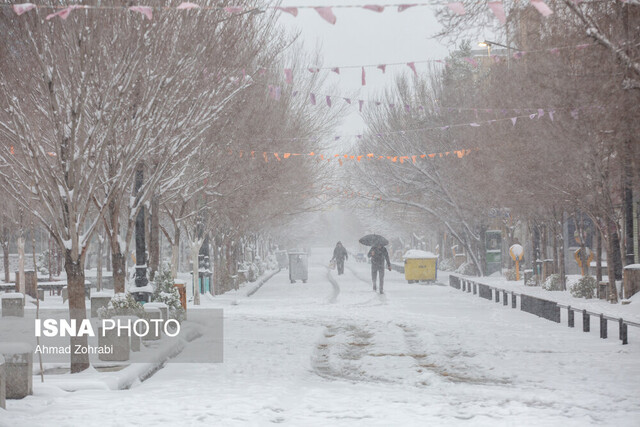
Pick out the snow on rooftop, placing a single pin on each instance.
(632, 267)
(418, 254)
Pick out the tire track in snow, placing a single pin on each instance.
(336, 288)
(449, 373)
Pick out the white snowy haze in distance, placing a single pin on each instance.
(363, 37)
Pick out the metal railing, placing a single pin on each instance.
(546, 309)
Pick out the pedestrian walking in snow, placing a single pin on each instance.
(378, 255)
(339, 256)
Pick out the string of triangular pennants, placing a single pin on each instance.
(551, 113)
(341, 158)
(276, 93)
(472, 60)
(325, 12)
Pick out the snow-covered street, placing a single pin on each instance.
(332, 352)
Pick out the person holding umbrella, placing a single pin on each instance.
(378, 254)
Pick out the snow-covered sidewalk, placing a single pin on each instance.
(332, 352)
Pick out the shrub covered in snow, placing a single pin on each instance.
(43, 262)
(532, 281)
(511, 274)
(553, 283)
(166, 292)
(250, 270)
(467, 269)
(447, 264)
(122, 305)
(584, 288)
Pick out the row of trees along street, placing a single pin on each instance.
(580, 162)
(108, 119)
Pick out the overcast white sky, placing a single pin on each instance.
(362, 37)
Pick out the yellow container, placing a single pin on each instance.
(420, 267)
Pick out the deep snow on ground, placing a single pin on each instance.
(332, 352)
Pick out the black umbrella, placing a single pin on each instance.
(373, 240)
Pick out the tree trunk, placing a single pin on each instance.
(77, 309)
(20, 283)
(5, 251)
(598, 256)
(175, 252)
(561, 263)
(154, 236)
(119, 271)
(627, 189)
(617, 258)
(195, 251)
(99, 264)
(612, 248)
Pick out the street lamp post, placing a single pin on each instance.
(488, 44)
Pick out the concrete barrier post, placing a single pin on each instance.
(99, 300)
(18, 369)
(153, 313)
(13, 304)
(3, 384)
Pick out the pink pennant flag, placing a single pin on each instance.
(382, 67)
(326, 14)
(360, 103)
(555, 51)
(471, 61)
(374, 7)
(498, 11)
(336, 70)
(187, 6)
(403, 7)
(277, 94)
(542, 7)
(347, 100)
(336, 138)
(407, 108)
(313, 99)
(291, 10)
(532, 116)
(550, 112)
(583, 46)
(574, 114)
(519, 55)
(412, 65)
(474, 124)
(288, 74)
(328, 100)
(364, 80)
(145, 10)
(19, 9)
(513, 120)
(295, 93)
(233, 9)
(64, 13)
(314, 70)
(457, 8)
(540, 112)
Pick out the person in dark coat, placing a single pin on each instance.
(339, 255)
(378, 255)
